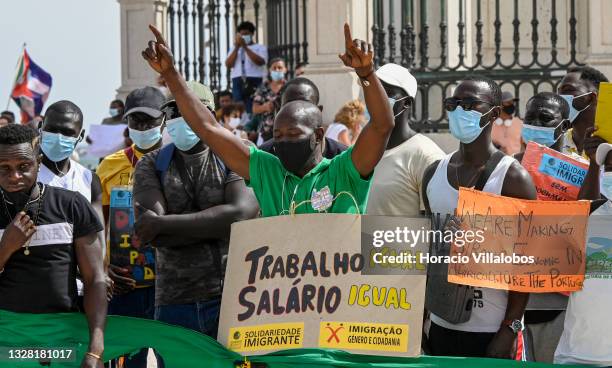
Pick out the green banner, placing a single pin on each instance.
(181, 347)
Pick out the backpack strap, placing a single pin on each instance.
(162, 163)
(492, 163)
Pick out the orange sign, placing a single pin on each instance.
(557, 177)
(527, 246)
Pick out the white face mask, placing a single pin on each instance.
(234, 122)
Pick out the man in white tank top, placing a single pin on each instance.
(495, 324)
(61, 131)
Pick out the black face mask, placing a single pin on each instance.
(296, 155)
(508, 109)
(19, 199)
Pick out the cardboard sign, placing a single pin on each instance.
(603, 113)
(125, 248)
(557, 177)
(296, 282)
(527, 246)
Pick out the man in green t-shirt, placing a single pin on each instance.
(298, 179)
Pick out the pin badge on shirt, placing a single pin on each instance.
(321, 200)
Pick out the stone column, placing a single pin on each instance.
(136, 15)
(337, 84)
(598, 47)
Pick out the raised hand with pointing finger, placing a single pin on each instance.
(371, 143)
(358, 54)
(157, 53)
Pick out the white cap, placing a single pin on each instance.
(397, 75)
(602, 152)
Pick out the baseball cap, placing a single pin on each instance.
(147, 100)
(202, 92)
(397, 75)
(507, 96)
(602, 153)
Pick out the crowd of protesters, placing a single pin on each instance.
(260, 150)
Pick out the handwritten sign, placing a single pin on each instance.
(528, 246)
(603, 114)
(557, 177)
(296, 282)
(125, 248)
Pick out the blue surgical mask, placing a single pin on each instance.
(465, 125)
(145, 139)
(182, 136)
(606, 184)
(541, 135)
(57, 147)
(573, 111)
(113, 112)
(247, 38)
(276, 75)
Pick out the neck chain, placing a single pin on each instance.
(58, 169)
(41, 193)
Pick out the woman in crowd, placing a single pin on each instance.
(347, 123)
(231, 118)
(260, 126)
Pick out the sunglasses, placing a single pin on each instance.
(451, 103)
(172, 111)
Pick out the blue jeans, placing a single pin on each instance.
(202, 317)
(139, 303)
(240, 95)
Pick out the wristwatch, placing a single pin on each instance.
(515, 325)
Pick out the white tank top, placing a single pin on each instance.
(77, 179)
(334, 130)
(490, 305)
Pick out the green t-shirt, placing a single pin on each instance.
(276, 188)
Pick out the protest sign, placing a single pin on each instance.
(126, 250)
(296, 282)
(106, 139)
(557, 177)
(603, 113)
(599, 244)
(528, 246)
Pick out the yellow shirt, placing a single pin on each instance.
(122, 247)
(115, 170)
(569, 147)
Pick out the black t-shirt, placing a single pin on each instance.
(45, 280)
(332, 147)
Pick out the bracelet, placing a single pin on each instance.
(364, 80)
(94, 355)
(367, 75)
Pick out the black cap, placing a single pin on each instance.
(147, 100)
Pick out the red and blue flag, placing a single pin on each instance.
(32, 87)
